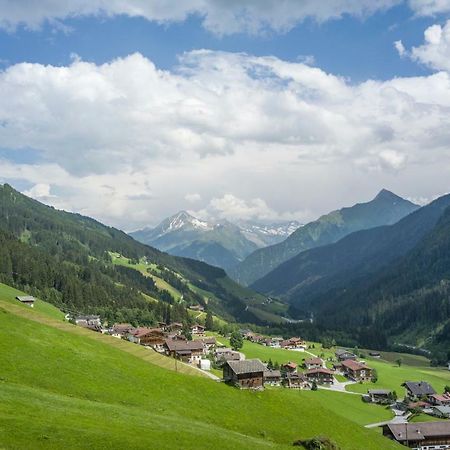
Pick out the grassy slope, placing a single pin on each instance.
(62, 388)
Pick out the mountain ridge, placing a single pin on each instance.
(386, 207)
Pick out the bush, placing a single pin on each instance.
(317, 443)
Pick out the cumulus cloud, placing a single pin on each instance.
(435, 52)
(218, 16)
(400, 48)
(40, 191)
(430, 7)
(129, 143)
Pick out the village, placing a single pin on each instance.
(205, 352)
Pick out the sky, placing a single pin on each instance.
(129, 111)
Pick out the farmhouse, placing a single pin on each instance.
(294, 343)
(197, 330)
(290, 367)
(120, 330)
(248, 374)
(296, 381)
(343, 355)
(356, 371)
(313, 363)
(418, 390)
(440, 400)
(198, 308)
(188, 351)
(320, 376)
(26, 300)
(441, 411)
(420, 435)
(272, 377)
(152, 337)
(226, 354)
(209, 343)
(380, 395)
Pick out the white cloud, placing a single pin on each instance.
(435, 52)
(430, 7)
(400, 48)
(129, 143)
(218, 16)
(40, 191)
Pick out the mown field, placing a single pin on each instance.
(61, 387)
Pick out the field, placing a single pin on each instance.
(62, 386)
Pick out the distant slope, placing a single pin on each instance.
(104, 397)
(65, 258)
(314, 271)
(386, 208)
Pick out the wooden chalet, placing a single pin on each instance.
(290, 367)
(296, 380)
(294, 343)
(197, 330)
(187, 351)
(343, 355)
(356, 371)
(440, 400)
(120, 330)
(26, 300)
(247, 374)
(420, 435)
(380, 395)
(272, 377)
(320, 376)
(418, 390)
(152, 337)
(314, 363)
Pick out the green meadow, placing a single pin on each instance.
(63, 386)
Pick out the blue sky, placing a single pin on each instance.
(354, 47)
(130, 111)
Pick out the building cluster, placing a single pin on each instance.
(293, 343)
(255, 374)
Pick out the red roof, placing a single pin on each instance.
(291, 364)
(354, 365)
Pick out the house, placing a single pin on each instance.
(441, 411)
(88, 320)
(383, 396)
(248, 374)
(420, 435)
(226, 354)
(342, 355)
(320, 376)
(187, 351)
(26, 300)
(418, 390)
(175, 327)
(197, 330)
(313, 363)
(257, 338)
(209, 343)
(375, 354)
(294, 343)
(120, 330)
(356, 371)
(273, 342)
(440, 400)
(198, 308)
(152, 337)
(272, 377)
(296, 380)
(290, 367)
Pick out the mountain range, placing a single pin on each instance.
(219, 243)
(386, 208)
(79, 264)
(385, 285)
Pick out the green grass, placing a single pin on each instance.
(8, 294)
(142, 267)
(61, 387)
(390, 376)
(424, 418)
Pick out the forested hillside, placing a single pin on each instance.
(386, 208)
(66, 258)
(380, 287)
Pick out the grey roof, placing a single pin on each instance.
(25, 298)
(342, 351)
(179, 345)
(419, 388)
(445, 410)
(247, 366)
(379, 391)
(272, 374)
(419, 431)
